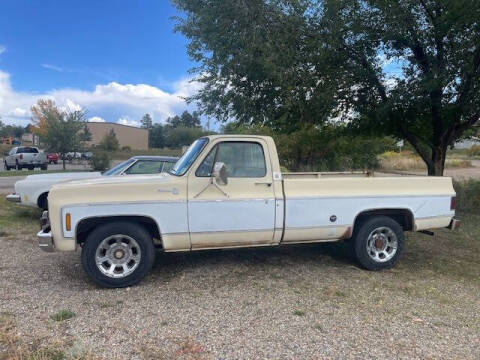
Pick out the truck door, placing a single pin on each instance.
(240, 212)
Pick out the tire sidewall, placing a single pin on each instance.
(135, 231)
(361, 237)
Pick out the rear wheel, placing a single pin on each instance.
(31, 167)
(19, 167)
(379, 243)
(43, 167)
(118, 254)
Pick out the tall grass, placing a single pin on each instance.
(407, 160)
(468, 195)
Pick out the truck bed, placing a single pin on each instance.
(325, 207)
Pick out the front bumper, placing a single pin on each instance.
(45, 241)
(44, 236)
(454, 224)
(15, 198)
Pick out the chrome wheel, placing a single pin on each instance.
(382, 244)
(118, 256)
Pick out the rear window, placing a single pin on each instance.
(27, 150)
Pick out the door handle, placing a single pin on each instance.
(264, 183)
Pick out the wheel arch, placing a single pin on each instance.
(86, 225)
(404, 216)
(42, 200)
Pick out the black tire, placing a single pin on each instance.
(44, 167)
(31, 167)
(361, 239)
(19, 167)
(6, 166)
(133, 230)
(42, 201)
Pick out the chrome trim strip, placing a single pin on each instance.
(364, 196)
(231, 200)
(316, 227)
(125, 202)
(230, 231)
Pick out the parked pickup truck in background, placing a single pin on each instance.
(25, 157)
(33, 190)
(227, 191)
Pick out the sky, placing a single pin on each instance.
(115, 59)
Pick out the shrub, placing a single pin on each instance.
(474, 151)
(109, 141)
(126, 148)
(63, 315)
(100, 160)
(468, 195)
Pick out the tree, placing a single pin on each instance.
(85, 134)
(44, 109)
(406, 68)
(147, 122)
(110, 141)
(62, 131)
(181, 136)
(185, 120)
(156, 138)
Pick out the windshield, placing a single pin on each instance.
(116, 170)
(189, 157)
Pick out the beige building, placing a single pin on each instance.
(136, 138)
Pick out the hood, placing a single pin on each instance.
(63, 176)
(119, 179)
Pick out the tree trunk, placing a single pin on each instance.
(437, 165)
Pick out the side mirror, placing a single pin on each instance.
(220, 173)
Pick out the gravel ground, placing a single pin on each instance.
(294, 302)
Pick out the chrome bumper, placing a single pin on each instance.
(44, 236)
(454, 224)
(45, 241)
(14, 198)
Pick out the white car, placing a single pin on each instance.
(25, 157)
(33, 190)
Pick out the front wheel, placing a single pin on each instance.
(6, 166)
(118, 254)
(379, 243)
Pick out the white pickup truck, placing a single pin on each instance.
(25, 157)
(227, 191)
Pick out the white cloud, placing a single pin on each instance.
(96, 119)
(19, 112)
(126, 102)
(52, 67)
(127, 121)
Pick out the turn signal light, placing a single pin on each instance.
(68, 222)
(452, 203)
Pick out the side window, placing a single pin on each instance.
(145, 167)
(12, 152)
(242, 160)
(167, 166)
